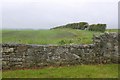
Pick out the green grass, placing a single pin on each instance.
(56, 36)
(113, 30)
(68, 36)
(79, 71)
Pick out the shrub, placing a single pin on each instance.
(62, 42)
(80, 25)
(97, 27)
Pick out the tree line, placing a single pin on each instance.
(84, 26)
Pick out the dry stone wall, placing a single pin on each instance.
(103, 50)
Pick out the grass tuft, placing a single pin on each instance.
(78, 71)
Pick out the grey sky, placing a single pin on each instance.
(45, 14)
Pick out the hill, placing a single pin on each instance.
(55, 36)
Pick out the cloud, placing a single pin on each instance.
(44, 14)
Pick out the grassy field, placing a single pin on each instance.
(113, 30)
(57, 36)
(79, 71)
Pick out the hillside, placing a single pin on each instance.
(55, 36)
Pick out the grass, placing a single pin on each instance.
(78, 71)
(113, 30)
(57, 36)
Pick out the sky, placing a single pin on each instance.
(45, 14)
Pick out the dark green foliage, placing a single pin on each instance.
(62, 42)
(83, 26)
(97, 27)
(80, 25)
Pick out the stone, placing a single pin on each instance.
(8, 49)
(103, 50)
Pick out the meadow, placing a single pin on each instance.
(55, 36)
(78, 71)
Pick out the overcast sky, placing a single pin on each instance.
(45, 14)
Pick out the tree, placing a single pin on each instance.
(97, 27)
